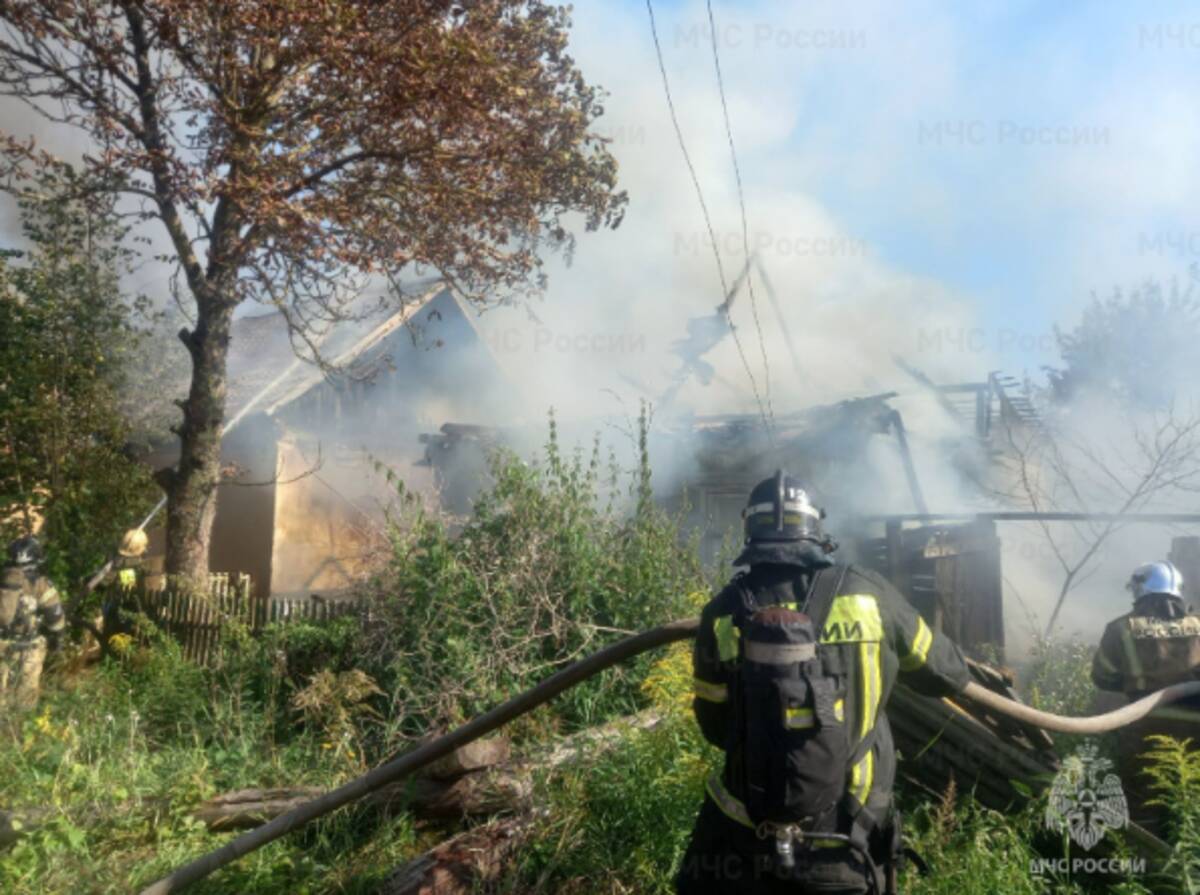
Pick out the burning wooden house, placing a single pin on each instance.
(851, 454)
(302, 506)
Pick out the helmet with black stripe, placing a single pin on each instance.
(779, 510)
(25, 552)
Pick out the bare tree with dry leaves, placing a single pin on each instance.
(291, 150)
(1148, 463)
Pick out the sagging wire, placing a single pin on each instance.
(737, 174)
(727, 295)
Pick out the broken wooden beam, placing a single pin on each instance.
(468, 782)
(478, 780)
(461, 864)
(245, 808)
(472, 757)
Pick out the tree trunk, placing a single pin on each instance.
(192, 485)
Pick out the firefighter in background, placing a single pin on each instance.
(125, 576)
(31, 618)
(1153, 646)
(129, 557)
(794, 661)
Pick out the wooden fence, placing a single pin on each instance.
(198, 621)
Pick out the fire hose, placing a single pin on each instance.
(403, 765)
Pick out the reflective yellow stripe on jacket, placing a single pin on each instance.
(709, 691)
(920, 648)
(855, 618)
(802, 718)
(727, 636)
(862, 777)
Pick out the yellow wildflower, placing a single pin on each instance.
(43, 723)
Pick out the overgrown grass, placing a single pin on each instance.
(560, 557)
(111, 764)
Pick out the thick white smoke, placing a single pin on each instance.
(824, 94)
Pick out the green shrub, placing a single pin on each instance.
(547, 569)
(67, 337)
(1174, 772)
(1058, 679)
(971, 849)
(1058, 676)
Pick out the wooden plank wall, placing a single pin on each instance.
(952, 574)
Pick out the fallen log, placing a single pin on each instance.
(460, 865)
(477, 856)
(475, 795)
(472, 757)
(478, 781)
(250, 807)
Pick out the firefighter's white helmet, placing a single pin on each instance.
(1156, 578)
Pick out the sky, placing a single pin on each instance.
(942, 180)
(936, 180)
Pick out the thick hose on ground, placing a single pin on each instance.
(568, 677)
(1096, 724)
(424, 755)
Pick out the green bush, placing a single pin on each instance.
(67, 335)
(1174, 772)
(1058, 678)
(971, 849)
(547, 569)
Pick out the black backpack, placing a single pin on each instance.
(790, 712)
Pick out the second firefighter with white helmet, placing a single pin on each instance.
(1154, 645)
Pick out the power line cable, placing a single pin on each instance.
(737, 173)
(687, 158)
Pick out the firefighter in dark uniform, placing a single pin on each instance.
(1153, 646)
(31, 619)
(834, 737)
